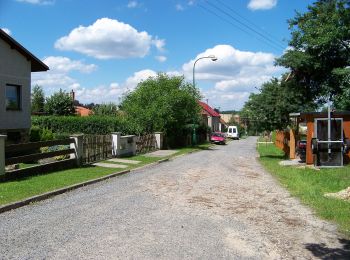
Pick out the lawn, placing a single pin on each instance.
(310, 185)
(15, 190)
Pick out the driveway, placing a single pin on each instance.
(212, 204)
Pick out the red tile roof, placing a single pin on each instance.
(83, 111)
(208, 110)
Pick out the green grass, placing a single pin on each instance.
(310, 185)
(15, 190)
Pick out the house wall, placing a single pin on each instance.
(228, 117)
(14, 69)
(215, 123)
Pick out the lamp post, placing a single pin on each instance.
(213, 58)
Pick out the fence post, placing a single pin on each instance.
(292, 144)
(116, 143)
(134, 139)
(159, 140)
(78, 146)
(2, 154)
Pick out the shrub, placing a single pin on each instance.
(35, 134)
(65, 125)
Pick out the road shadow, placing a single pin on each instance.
(323, 252)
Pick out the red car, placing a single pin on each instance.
(218, 138)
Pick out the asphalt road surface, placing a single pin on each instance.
(212, 204)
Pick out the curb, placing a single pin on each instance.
(44, 196)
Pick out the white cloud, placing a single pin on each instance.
(191, 2)
(58, 75)
(159, 43)
(261, 4)
(138, 77)
(161, 58)
(112, 92)
(6, 30)
(64, 64)
(179, 7)
(108, 39)
(38, 2)
(133, 4)
(233, 76)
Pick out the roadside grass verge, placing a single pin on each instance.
(15, 190)
(310, 185)
(23, 188)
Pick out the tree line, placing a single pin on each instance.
(318, 60)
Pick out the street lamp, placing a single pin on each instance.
(212, 57)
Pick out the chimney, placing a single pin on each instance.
(72, 94)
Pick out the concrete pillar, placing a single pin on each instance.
(2, 154)
(78, 146)
(159, 140)
(134, 138)
(116, 143)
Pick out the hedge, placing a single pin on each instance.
(85, 125)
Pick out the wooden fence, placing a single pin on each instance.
(282, 141)
(31, 152)
(96, 148)
(146, 143)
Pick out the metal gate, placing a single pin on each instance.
(328, 143)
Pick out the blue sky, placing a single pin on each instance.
(103, 48)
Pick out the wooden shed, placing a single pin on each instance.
(309, 118)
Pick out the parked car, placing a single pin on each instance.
(218, 138)
(232, 132)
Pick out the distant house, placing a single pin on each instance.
(223, 125)
(210, 117)
(82, 111)
(16, 65)
(227, 117)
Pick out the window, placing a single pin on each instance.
(13, 97)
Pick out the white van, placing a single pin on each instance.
(232, 132)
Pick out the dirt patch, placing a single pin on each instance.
(343, 194)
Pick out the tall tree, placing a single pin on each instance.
(319, 53)
(38, 99)
(107, 109)
(162, 103)
(270, 109)
(60, 104)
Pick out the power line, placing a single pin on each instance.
(250, 22)
(252, 32)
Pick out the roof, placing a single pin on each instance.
(303, 115)
(36, 64)
(208, 110)
(83, 111)
(222, 121)
(319, 114)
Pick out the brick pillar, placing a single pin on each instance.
(2, 154)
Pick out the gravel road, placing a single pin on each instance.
(212, 204)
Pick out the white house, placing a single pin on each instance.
(16, 65)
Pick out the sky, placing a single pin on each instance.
(103, 48)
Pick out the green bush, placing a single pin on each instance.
(65, 125)
(35, 134)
